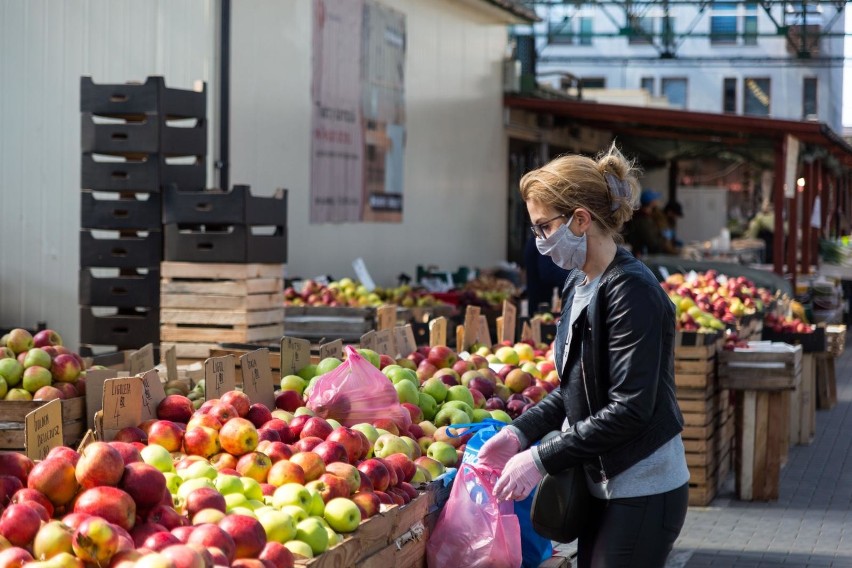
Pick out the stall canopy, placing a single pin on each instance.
(820, 158)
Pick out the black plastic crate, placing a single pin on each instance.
(125, 330)
(814, 342)
(152, 96)
(237, 206)
(124, 290)
(229, 243)
(144, 175)
(139, 251)
(120, 213)
(149, 133)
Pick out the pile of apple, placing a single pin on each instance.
(707, 301)
(347, 292)
(39, 367)
(786, 324)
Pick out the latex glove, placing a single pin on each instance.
(498, 449)
(519, 478)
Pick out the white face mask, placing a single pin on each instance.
(567, 250)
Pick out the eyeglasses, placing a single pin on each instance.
(539, 230)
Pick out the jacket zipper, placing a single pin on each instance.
(588, 400)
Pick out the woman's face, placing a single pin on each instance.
(545, 219)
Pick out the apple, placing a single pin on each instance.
(248, 534)
(176, 408)
(167, 434)
(35, 378)
(65, 368)
(11, 371)
(342, 515)
(99, 464)
(95, 541)
(131, 434)
(377, 472)
(110, 503)
(289, 400)
(212, 536)
(502, 416)
(278, 525)
(388, 444)
(239, 400)
(205, 516)
(276, 451)
(332, 452)
(24, 495)
(19, 340)
(350, 440)
(339, 487)
(385, 498)
(51, 539)
(316, 426)
(299, 549)
(36, 357)
(311, 463)
(55, 479)
(292, 494)
(19, 524)
(441, 356)
(346, 472)
(238, 436)
(278, 554)
(449, 415)
(368, 503)
(444, 453)
(184, 556)
(142, 531)
(201, 441)
(258, 414)
(128, 452)
(307, 444)
(285, 471)
(285, 433)
(404, 463)
(312, 532)
(166, 516)
(535, 393)
(294, 383)
(46, 337)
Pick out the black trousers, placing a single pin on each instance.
(634, 532)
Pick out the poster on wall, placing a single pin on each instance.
(358, 122)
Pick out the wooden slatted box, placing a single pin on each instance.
(13, 413)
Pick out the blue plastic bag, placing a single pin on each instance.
(534, 547)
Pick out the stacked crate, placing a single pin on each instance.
(222, 279)
(136, 140)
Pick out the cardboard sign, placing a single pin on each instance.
(331, 349)
(257, 377)
(95, 391)
(405, 342)
(498, 324)
(385, 317)
(368, 340)
(484, 332)
(295, 354)
(142, 360)
(471, 326)
(438, 331)
(43, 429)
(220, 376)
(460, 342)
(526, 332)
(535, 330)
(510, 321)
(171, 364)
(152, 394)
(122, 405)
(385, 344)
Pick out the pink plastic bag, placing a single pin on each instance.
(474, 529)
(357, 392)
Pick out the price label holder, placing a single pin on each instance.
(510, 321)
(331, 349)
(385, 317)
(405, 342)
(438, 331)
(535, 330)
(471, 327)
(152, 394)
(141, 360)
(257, 377)
(385, 343)
(220, 376)
(122, 406)
(171, 364)
(484, 332)
(95, 391)
(43, 430)
(368, 341)
(295, 354)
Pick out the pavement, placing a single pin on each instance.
(810, 525)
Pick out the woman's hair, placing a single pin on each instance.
(606, 186)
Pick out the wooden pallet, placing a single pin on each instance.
(758, 444)
(760, 370)
(228, 334)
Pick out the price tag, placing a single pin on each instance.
(295, 354)
(360, 268)
(142, 360)
(535, 330)
(331, 349)
(95, 392)
(257, 377)
(438, 331)
(471, 326)
(122, 405)
(368, 340)
(43, 429)
(510, 321)
(526, 332)
(405, 342)
(220, 376)
(152, 394)
(385, 344)
(460, 338)
(171, 364)
(385, 317)
(484, 332)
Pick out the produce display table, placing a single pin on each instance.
(760, 379)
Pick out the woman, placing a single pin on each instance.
(615, 411)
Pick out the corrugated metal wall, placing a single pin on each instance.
(45, 46)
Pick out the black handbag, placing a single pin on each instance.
(561, 505)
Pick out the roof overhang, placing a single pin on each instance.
(504, 11)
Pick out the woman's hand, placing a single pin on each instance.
(519, 478)
(497, 450)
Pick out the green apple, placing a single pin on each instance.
(368, 430)
(501, 415)
(200, 468)
(18, 394)
(502, 392)
(428, 405)
(387, 370)
(334, 538)
(294, 383)
(12, 371)
(507, 355)
(283, 415)
(317, 505)
(234, 500)
(435, 388)
(450, 415)
(159, 457)
(299, 549)
(411, 443)
(480, 414)
(279, 526)
(493, 360)
(4, 387)
(460, 392)
(312, 532)
(307, 372)
(463, 406)
(327, 364)
(342, 515)
(292, 494)
(424, 443)
(421, 475)
(173, 481)
(428, 428)
(296, 513)
(255, 505)
(407, 392)
(227, 484)
(401, 374)
(304, 410)
(251, 488)
(388, 444)
(443, 453)
(370, 356)
(242, 510)
(190, 485)
(333, 423)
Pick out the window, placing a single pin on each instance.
(643, 28)
(586, 30)
(723, 30)
(729, 95)
(647, 83)
(756, 96)
(750, 30)
(809, 97)
(732, 20)
(675, 91)
(668, 30)
(560, 31)
(593, 83)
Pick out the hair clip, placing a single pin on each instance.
(618, 188)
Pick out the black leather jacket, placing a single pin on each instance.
(617, 387)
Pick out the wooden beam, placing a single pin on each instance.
(778, 200)
(810, 189)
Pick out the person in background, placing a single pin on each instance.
(615, 411)
(643, 232)
(762, 226)
(542, 277)
(668, 229)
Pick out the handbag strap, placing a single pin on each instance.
(472, 427)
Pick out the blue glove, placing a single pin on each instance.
(519, 478)
(497, 451)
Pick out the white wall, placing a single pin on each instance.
(454, 210)
(45, 46)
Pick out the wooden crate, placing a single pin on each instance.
(330, 323)
(758, 445)
(802, 422)
(835, 339)
(695, 367)
(13, 413)
(760, 370)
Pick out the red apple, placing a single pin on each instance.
(14, 557)
(19, 524)
(159, 541)
(311, 464)
(285, 471)
(308, 443)
(289, 400)
(387, 424)
(167, 434)
(204, 498)
(405, 465)
(276, 553)
(347, 472)
(110, 503)
(202, 441)
(100, 464)
(267, 435)
(368, 503)
(338, 487)
(176, 408)
(129, 453)
(95, 541)
(16, 465)
(297, 423)
(238, 436)
(131, 434)
(384, 498)
(255, 465)
(248, 534)
(210, 535)
(223, 411)
(184, 556)
(350, 440)
(54, 477)
(166, 516)
(207, 420)
(25, 494)
(276, 451)
(258, 414)
(284, 432)
(239, 400)
(223, 461)
(144, 483)
(376, 472)
(65, 368)
(316, 426)
(441, 356)
(142, 531)
(182, 532)
(332, 452)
